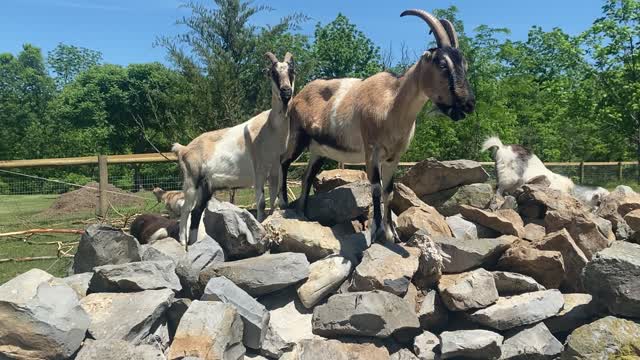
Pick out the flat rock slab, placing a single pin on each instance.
(546, 266)
(331, 179)
(325, 277)
(311, 238)
(236, 230)
(448, 202)
(603, 339)
(254, 315)
(578, 310)
(136, 276)
(130, 317)
(344, 203)
(510, 283)
(613, 278)
(573, 258)
(40, 318)
(472, 290)
(430, 176)
(263, 274)
(534, 342)
(388, 267)
(520, 310)
(471, 344)
(208, 330)
(464, 255)
(117, 350)
(105, 245)
(499, 222)
(335, 350)
(376, 313)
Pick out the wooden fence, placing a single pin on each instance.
(102, 161)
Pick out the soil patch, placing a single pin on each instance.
(86, 199)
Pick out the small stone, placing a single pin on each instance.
(520, 310)
(471, 344)
(325, 277)
(388, 267)
(509, 283)
(472, 290)
(533, 342)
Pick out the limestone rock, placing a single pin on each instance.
(500, 222)
(430, 176)
(573, 258)
(331, 179)
(263, 274)
(203, 253)
(425, 346)
(471, 344)
(604, 339)
(547, 267)
(471, 290)
(325, 277)
(168, 247)
(464, 229)
(209, 330)
(388, 267)
(509, 283)
(290, 320)
(520, 310)
(105, 245)
(423, 218)
(533, 342)
(433, 315)
(137, 276)
(375, 313)
(463, 255)
(404, 198)
(534, 232)
(344, 203)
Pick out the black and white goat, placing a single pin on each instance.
(148, 228)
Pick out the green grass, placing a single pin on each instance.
(23, 212)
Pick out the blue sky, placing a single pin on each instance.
(124, 30)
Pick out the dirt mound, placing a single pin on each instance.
(86, 199)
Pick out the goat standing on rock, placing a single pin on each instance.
(373, 120)
(238, 157)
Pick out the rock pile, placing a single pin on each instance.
(541, 278)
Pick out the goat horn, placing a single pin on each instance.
(271, 57)
(442, 39)
(451, 31)
(288, 57)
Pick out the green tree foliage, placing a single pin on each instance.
(67, 61)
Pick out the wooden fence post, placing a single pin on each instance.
(581, 172)
(103, 203)
(620, 171)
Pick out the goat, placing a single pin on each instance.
(373, 120)
(172, 200)
(590, 196)
(148, 228)
(238, 157)
(516, 166)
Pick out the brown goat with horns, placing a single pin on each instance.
(373, 120)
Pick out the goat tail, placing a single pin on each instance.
(493, 141)
(176, 148)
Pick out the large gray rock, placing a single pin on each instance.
(471, 344)
(263, 274)
(433, 315)
(203, 253)
(467, 230)
(168, 247)
(105, 245)
(421, 218)
(520, 310)
(578, 310)
(573, 258)
(613, 278)
(137, 276)
(463, 255)
(430, 263)
(430, 176)
(331, 179)
(325, 277)
(472, 290)
(290, 320)
(376, 313)
(209, 330)
(236, 230)
(344, 203)
(606, 338)
(545, 266)
(316, 241)
(448, 202)
(509, 283)
(322, 349)
(112, 349)
(132, 317)
(501, 221)
(534, 342)
(254, 315)
(426, 346)
(78, 282)
(39, 318)
(388, 267)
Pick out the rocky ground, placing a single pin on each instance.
(541, 277)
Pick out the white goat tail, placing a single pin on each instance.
(175, 148)
(493, 141)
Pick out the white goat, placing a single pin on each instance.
(238, 157)
(516, 166)
(373, 120)
(172, 200)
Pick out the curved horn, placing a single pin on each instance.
(451, 31)
(442, 39)
(271, 57)
(288, 57)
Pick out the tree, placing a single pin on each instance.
(67, 61)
